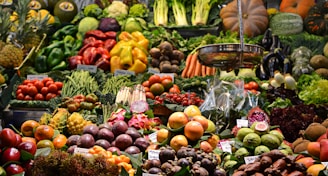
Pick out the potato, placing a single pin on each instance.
(322, 72)
(319, 61)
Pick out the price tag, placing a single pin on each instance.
(242, 123)
(153, 71)
(146, 174)
(36, 77)
(325, 163)
(123, 72)
(90, 68)
(225, 146)
(153, 137)
(79, 150)
(250, 159)
(153, 154)
(166, 74)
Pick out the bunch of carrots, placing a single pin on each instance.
(195, 68)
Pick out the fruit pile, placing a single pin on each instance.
(170, 162)
(184, 99)
(41, 90)
(157, 85)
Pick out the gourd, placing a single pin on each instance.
(254, 15)
(300, 7)
(285, 23)
(316, 22)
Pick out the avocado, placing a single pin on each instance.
(65, 10)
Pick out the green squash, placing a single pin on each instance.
(285, 23)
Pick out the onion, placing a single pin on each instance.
(290, 82)
(279, 77)
(274, 83)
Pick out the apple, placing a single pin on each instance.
(13, 169)
(8, 138)
(10, 154)
(18, 139)
(28, 146)
(27, 165)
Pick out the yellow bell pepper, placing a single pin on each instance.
(144, 43)
(126, 36)
(138, 35)
(138, 67)
(116, 50)
(126, 56)
(138, 54)
(115, 63)
(136, 44)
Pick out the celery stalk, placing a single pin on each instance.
(179, 12)
(200, 11)
(160, 12)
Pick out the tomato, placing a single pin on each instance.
(174, 90)
(46, 80)
(8, 137)
(253, 91)
(145, 83)
(50, 96)
(59, 85)
(59, 92)
(18, 91)
(38, 84)
(32, 90)
(26, 81)
(154, 79)
(44, 91)
(20, 96)
(253, 85)
(39, 97)
(25, 89)
(166, 77)
(28, 97)
(247, 86)
(48, 83)
(52, 88)
(167, 83)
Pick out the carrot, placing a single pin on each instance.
(208, 70)
(213, 71)
(192, 65)
(185, 70)
(198, 69)
(203, 70)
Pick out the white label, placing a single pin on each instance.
(153, 137)
(36, 77)
(153, 71)
(79, 150)
(146, 174)
(90, 68)
(250, 159)
(153, 154)
(166, 74)
(123, 72)
(242, 123)
(325, 163)
(225, 146)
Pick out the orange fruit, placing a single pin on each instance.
(178, 141)
(44, 132)
(177, 120)
(306, 161)
(28, 126)
(157, 89)
(192, 110)
(205, 146)
(313, 148)
(202, 120)
(213, 140)
(29, 139)
(45, 143)
(167, 83)
(162, 134)
(193, 130)
(154, 79)
(59, 141)
(315, 169)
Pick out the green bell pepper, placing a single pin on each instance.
(61, 66)
(54, 44)
(40, 63)
(55, 57)
(66, 30)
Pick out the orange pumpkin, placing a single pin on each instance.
(300, 7)
(254, 15)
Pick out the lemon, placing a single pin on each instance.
(192, 110)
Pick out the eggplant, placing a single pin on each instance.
(287, 68)
(260, 73)
(266, 41)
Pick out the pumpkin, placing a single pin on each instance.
(255, 17)
(285, 23)
(316, 22)
(300, 7)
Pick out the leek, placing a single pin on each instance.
(160, 12)
(200, 11)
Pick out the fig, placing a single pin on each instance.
(154, 170)
(132, 150)
(72, 140)
(123, 141)
(119, 127)
(166, 154)
(105, 133)
(91, 129)
(86, 141)
(141, 143)
(71, 149)
(103, 143)
(114, 150)
(134, 133)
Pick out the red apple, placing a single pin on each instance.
(18, 140)
(27, 165)
(324, 150)
(28, 146)
(10, 154)
(13, 169)
(323, 136)
(8, 138)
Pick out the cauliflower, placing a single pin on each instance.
(117, 9)
(139, 10)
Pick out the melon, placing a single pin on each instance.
(285, 23)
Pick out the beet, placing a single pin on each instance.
(132, 150)
(72, 140)
(103, 143)
(119, 127)
(106, 134)
(86, 141)
(91, 129)
(114, 149)
(134, 133)
(141, 143)
(123, 141)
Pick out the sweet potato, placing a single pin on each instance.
(280, 165)
(274, 154)
(242, 167)
(252, 168)
(296, 173)
(265, 162)
(239, 173)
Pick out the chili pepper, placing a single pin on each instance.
(109, 44)
(98, 34)
(91, 97)
(126, 36)
(126, 56)
(96, 43)
(73, 61)
(55, 57)
(111, 35)
(138, 67)
(89, 56)
(66, 30)
(41, 63)
(86, 105)
(103, 64)
(115, 63)
(61, 66)
(139, 55)
(49, 48)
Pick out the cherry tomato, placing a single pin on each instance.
(38, 84)
(28, 97)
(253, 85)
(20, 96)
(32, 90)
(50, 96)
(46, 80)
(59, 85)
(247, 86)
(39, 96)
(44, 91)
(52, 88)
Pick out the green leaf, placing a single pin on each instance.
(183, 172)
(136, 160)
(150, 113)
(42, 152)
(20, 174)
(124, 172)
(25, 155)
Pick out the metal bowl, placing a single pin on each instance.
(228, 56)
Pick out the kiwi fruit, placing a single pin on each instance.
(301, 146)
(314, 131)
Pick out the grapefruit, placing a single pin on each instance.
(202, 120)
(178, 141)
(193, 130)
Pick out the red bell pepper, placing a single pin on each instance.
(89, 56)
(88, 40)
(103, 64)
(111, 35)
(109, 44)
(96, 43)
(98, 34)
(73, 61)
